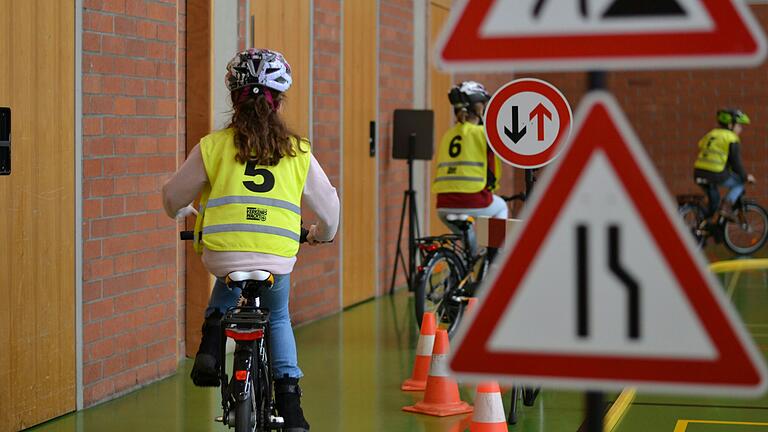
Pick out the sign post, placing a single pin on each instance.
(594, 400)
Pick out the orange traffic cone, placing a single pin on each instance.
(441, 397)
(489, 410)
(418, 379)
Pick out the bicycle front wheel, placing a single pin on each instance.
(748, 233)
(440, 276)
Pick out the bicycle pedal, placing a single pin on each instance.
(276, 421)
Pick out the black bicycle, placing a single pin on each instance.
(450, 272)
(247, 399)
(744, 233)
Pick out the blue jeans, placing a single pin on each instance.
(735, 187)
(497, 209)
(282, 342)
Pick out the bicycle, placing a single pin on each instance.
(744, 234)
(449, 277)
(450, 273)
(247, 398)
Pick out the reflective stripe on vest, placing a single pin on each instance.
(462, 160)
(713, 150)
(274, 202)
(249, 207)
(231, 228)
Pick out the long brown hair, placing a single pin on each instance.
(261, 135)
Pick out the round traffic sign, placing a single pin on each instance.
(528, 122)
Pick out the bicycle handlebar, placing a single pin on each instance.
(516, 197)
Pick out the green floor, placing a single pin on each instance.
(749, 293)
(354, 363)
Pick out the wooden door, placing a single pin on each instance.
(439, 84)
(293, 41)
(359, 197)
(37, 213)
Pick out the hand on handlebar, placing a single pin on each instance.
(751, 179)
(189, 210)
(312, 236)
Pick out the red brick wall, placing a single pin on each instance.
(181, 155)
(130, 143)
(395, 91)
(315, 282)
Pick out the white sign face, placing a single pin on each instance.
(584, 17)
(526, 121)
(667, 324)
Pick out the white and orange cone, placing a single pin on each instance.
(489, 409)
(441, 397)
(418, 379)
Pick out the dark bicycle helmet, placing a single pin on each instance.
(466, 93)
(730, 116)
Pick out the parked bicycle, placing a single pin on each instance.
(247, 398)
(450, 273)
(744, 234)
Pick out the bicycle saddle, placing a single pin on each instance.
(458, 217)
(256, 275)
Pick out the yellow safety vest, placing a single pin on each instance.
(462, 160)
(247, 207)
(713, 150)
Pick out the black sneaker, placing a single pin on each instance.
(205, 372)
(288, 404)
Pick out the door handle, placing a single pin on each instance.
(372, 139)
(5, 141)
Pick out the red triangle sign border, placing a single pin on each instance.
(739, 367)
(737, 40)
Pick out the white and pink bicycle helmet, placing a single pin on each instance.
(259, 67)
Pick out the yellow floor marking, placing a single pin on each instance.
(738, 265)
(732, 284)
(682, 425)
(618, 409)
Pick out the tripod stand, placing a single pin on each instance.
(409, 204)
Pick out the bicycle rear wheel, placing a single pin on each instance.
(749, 233)
(244, 413)
(441, 274)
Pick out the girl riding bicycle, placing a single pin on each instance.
(467, 169)
(251, 178)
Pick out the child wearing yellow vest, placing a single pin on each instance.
(719, 161)
(467, 169)
(251, 178)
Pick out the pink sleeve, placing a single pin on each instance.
(186, 184)
(322, 198)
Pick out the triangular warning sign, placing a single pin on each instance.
(599, 34)
(603, 287)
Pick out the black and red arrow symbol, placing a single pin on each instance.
(517, 133)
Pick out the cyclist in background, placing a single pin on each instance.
(719, 162)
(251, 177)
(467, 169)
